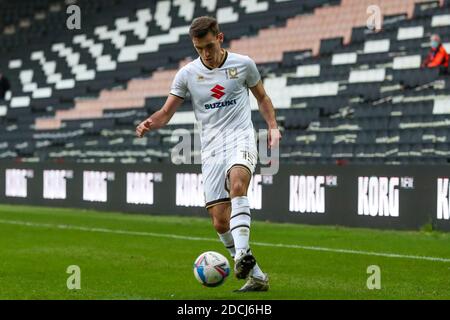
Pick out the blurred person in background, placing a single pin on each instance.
(438, 56)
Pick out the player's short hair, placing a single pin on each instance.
(201, 26)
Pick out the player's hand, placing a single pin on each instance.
(274, 138)
(144, 127)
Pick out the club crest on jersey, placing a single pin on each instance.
(233, 73)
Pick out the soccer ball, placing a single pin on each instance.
(211, 269)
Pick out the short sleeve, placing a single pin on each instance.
(253, 75)
(179, 84)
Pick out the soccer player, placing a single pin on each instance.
(218, 82)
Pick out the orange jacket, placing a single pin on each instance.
(437, 57)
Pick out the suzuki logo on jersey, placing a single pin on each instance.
(307, 194)
(220, 104)
(378, 196)
(443, 199)
(218, 92)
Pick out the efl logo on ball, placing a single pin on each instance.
(211, 269)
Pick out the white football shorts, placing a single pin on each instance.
(215, 173)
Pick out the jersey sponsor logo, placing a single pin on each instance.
(221, 104)
(218, 92)
(307, 194)
(378, 196)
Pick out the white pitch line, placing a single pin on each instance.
(262, 244)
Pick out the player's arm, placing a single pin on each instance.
(268, 112)
(161, 117)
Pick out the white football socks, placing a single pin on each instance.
(236, 241)
(240, 224)
(228, 242)
(256, 271)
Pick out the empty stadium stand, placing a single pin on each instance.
(342, 91)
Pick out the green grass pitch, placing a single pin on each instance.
(123, 256)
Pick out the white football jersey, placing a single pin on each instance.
(220, 98)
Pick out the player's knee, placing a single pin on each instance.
(238, 189)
